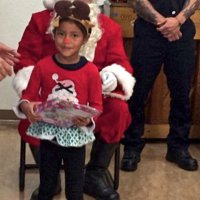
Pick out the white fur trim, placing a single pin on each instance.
(124, 78)
(49, 4)
(21, 79)
(88, 50)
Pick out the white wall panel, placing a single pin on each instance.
(14, 16)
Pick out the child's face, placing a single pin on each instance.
(68, 40)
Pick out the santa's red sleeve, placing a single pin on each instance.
(117, 61)
(35, 44)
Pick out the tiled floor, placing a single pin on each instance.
(155, 179)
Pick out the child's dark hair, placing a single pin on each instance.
(78, 24)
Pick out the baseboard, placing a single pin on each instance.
(7, 115)
(161, 131)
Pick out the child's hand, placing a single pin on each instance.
(81, 121)
(28, 109)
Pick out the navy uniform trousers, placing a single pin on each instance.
(151, 51)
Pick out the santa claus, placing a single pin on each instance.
(105, 49)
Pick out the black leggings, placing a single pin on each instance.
(35, 150)
(51, 158)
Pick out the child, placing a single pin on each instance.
(68, 76)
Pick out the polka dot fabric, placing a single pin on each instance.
(67, 137)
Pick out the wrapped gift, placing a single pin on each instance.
(61, 112)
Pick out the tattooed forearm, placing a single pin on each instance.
(145, 10)
(190, 7)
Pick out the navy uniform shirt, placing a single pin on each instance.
(167, 8)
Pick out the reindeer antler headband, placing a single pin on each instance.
(76, 10)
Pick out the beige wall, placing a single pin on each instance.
(14, 16)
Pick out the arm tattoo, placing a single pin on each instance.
(190, 7)
(145, 10)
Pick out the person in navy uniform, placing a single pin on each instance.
(164, 36)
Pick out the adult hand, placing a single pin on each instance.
(9, 54)
(8, 57)
(5, 69)
(170, 29)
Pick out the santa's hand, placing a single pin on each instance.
(109, 81)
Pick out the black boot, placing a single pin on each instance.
(98, 181)
(130, 160)
(183, 159)
(132, 151)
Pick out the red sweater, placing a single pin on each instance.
(83, 83)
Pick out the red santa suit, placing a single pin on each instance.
(105, 49)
